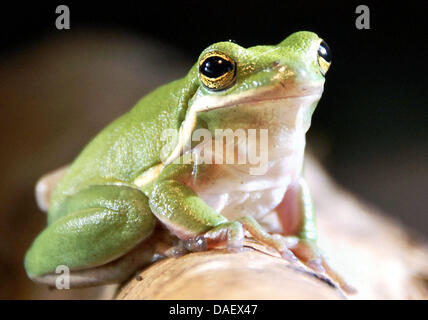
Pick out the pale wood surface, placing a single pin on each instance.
(220, 275)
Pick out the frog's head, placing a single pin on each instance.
(275, 87)
(230, 75)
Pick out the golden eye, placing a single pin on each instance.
(324, 57)
(217, 71)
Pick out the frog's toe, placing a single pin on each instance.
(196, 244)
(316, 265)
(229, 234)
(309, 253)
(335, 276)
(288, 255)
(235, 237)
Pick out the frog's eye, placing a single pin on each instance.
(217, 71)
(324, 57)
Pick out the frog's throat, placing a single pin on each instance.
(208, 103)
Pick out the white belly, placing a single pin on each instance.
(234, 193)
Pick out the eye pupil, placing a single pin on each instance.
(324, 51)
(217, 71)
(214, 67)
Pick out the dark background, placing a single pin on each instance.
(58, 88)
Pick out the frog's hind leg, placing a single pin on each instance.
(161, 244)
(98, 225)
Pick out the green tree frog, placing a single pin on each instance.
(133, 178)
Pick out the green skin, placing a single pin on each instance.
(98, 213)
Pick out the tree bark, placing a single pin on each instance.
(218, 274)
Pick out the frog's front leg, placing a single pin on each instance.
(297, 217)
(97, 226)
(185, 214)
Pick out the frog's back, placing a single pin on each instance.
(128, 146)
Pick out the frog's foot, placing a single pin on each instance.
(309, 254)
(232, 235)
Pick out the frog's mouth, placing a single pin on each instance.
(278, 93)
(255, 96)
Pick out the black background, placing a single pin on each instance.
(373, 114)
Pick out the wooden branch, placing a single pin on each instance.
(218, 274)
